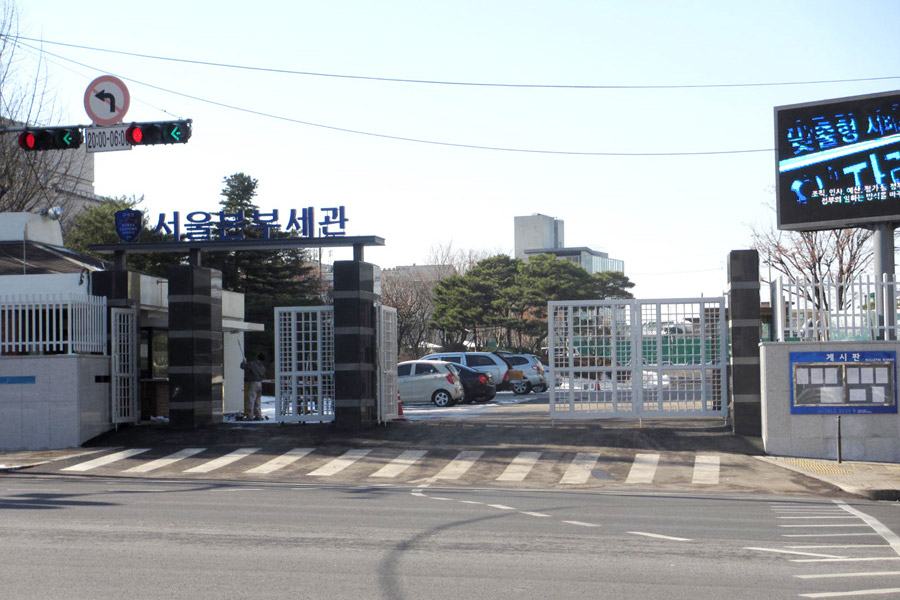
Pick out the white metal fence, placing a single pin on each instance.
(637, 358)
(828, 310)
(386, 321)
(52, 324)
(304, 364)
(124, 392)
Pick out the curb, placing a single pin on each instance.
(868, 493)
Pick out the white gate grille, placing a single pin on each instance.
(123, 366)
(637, 358)
(304, 364)
(386, 320)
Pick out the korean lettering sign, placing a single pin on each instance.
(257, 224)
(843, 382)
(838, 162)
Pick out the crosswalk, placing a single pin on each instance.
(564, 469)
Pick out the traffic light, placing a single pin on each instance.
(51, 138)
(159, 132)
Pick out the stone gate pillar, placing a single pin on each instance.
(354, 345)
(196, 361)
(744, 331)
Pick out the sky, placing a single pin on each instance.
(671, 218)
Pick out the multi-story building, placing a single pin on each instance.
(540, 234)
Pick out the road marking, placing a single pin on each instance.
(889, 536)
(239, 489)
(794, 552)
(879, 592)
(855, 574)
(821, 517)
(829, 525)
(471, 502)
(824, 546)
(501, 507)
(340, 463)
(581, 523)
(280, 462)
(520, 466)
(222, 461)
(438, 498)
(533, 514)
(805, 535)
(105, 460)
(580, 468)
(866, 559)
(165, 461)
(660, 536)
(706, 470)
(400, 464)
(459, 465)
(643, 468)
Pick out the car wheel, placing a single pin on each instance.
(539, 389)
(520, 387)
(442, 398)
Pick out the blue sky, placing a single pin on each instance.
(672, 219)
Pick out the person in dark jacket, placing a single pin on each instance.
(254, 373)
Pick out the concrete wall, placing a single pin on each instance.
(873, 437)
(66, 405)
(234, 376)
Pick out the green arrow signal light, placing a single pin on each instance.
(176, 133)
(67, 138)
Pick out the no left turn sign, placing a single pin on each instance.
(106, 100)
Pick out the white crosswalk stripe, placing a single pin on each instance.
(520, 467)
(105, 460)
(159, 463)
(340, 463)
(457, 467)
(400, 464)
(280, 462)
(706, 469)
(222, 461)
(643, 469)
(580, 468)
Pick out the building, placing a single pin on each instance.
(537, 231)
(540, 234)
(80, 351)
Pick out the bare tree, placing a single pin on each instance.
(457, 261)
(837, 255)
(413, 300)
(31, 181)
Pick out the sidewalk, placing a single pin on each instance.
(875, 481)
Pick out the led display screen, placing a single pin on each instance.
(838, 162)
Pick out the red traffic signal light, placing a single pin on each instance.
(51, 138)
(159, 132)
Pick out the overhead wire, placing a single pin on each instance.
(390, 136)
(451, 82)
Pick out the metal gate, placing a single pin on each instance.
(637, 358)
(386, 326)
(304, 364)
(123, 366)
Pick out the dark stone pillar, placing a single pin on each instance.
(744, 331)
(196, 362)
(354, 345)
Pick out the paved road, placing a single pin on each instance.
(112, 538)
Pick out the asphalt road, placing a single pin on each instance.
(93, 538)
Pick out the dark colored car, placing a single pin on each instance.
(477, 386)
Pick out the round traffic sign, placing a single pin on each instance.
(106, 100)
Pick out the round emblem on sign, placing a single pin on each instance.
(106, 100)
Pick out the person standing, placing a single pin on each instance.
(254, 373)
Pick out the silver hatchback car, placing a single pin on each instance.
(423, 381)
(533, 370)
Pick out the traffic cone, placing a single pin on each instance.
(400, 416)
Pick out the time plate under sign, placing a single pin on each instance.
(106, 139)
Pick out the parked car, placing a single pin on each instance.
(423, 381)
(477, 386)
(485, 362)
(532, 368)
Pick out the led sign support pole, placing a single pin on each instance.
(885, 302)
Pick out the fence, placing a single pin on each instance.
(833, 311)
(52, 324)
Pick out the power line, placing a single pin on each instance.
(455, 83)
(389, 136)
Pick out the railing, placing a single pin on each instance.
(52, 324)
(832, 311)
